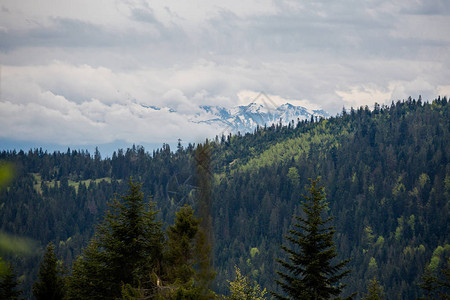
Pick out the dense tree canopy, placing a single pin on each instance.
(385, 170)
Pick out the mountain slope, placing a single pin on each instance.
(386, 174)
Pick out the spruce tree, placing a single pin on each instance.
(432, 284)
(9, 284)
(204, 239)
(374, 291)
(126, 249)
(445, 282)
(181, 246)
(310, 272)
(429, 283)
(184, 257)
(50, 284)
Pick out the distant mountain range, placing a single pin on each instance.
(247, 117)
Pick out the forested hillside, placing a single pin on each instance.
(385, 171)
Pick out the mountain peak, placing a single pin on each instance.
(245, 118)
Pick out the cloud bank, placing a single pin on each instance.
(89, 72)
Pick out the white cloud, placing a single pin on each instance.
(271, 101)
(360, 96)
(87, 71)
(95, 123)
(444, 90)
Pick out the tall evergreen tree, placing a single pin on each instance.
(203, 173)
(432, 284)
(445, 282)
(181, 245)
(204, 243)
(429, 283)
(126, 249)
(9, 284)
(374, 291)
(310, 272)
(50, 284)
(184, 257)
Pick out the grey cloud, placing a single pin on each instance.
(62, 33)
(72, 33)
(347, 29)
(426, 7)
(144, 15)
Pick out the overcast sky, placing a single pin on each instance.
(83, 72)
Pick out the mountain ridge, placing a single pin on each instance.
(246, 118)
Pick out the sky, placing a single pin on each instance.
(85, 73)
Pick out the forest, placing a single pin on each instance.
(236, 199)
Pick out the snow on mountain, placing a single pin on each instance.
(246, 118)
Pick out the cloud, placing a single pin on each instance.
(272, 101)
(93, 69)
(363, 95)
(73, 33)
(93, 122)
(144, 15)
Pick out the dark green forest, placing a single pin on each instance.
(385, 173)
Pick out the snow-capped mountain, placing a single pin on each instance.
(246, 118)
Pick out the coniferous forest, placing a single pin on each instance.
(364, 195)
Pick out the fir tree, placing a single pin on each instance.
(310, 272)
(429, 283)
(432, 284)
(204, 238)
(9, 284)
(184, 256)
(126, 249)
(445, 282)
(181, 247)
(374, 291)
(50, 284)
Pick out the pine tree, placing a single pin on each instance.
(126, 249)
(9, 284)
(310, 272)
(374, 291)
(50, 284)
